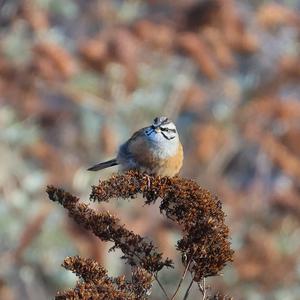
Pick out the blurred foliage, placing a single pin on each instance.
(78, 77)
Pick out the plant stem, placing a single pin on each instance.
(155, 276)
(202, 288)
(161, 286)
(182, 278)
(188, 290)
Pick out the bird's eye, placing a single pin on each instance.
(168, 129)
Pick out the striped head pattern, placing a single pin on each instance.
(162, 129)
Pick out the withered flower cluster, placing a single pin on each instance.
(196, 210)
(137, 251)
(204, 246)
(96, 284)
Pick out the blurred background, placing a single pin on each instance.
(78, 77)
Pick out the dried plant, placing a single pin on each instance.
(204, 246)
(96, 284)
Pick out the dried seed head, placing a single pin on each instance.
(199, 213)
(204, 246)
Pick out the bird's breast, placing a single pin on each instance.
(164, 159)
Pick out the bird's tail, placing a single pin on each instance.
(103, 165)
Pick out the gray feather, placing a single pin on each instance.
(104, 165)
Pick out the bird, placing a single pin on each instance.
(154, 150)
